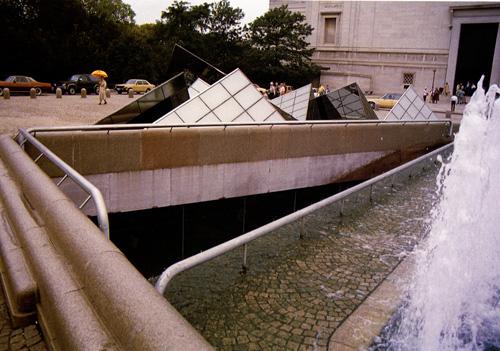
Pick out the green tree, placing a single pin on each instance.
(110, 10)
(282, 51)
(182, 23)
(212, 31)
(225, 20)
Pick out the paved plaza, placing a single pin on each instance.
(298, 291)
(22, 339)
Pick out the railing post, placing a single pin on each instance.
(182, 229)
(62, 180)
(244, 267)
(301, 228)
(38, 158)
(244, 215)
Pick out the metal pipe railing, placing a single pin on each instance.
(88, 187)
(190, 262)
(346, 123)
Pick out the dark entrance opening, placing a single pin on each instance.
(153, 239)
(475, 53)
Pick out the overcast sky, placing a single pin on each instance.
(148, 11)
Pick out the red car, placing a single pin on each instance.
(22, 84)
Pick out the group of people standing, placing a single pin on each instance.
(460, 96)
(276, 90)
(434, 93)
(462, 91)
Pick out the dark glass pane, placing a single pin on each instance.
(153, 105)
(348, 102)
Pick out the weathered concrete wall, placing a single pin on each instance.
(139, 169)
(87, 295)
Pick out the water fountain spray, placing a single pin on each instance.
(454, 300)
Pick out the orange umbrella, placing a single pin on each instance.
(100, 73)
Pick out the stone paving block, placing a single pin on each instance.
(291, 345)
(33, 340)
(16, 346)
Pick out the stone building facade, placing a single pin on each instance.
(384, 46)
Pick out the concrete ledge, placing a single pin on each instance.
(17, 282)
(54, 283)
(96, 152)
(359, 330)
(19, 287)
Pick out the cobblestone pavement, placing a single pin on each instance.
(298, 291)
(22, 339)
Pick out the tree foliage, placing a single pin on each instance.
(279, 37)
(52, 39)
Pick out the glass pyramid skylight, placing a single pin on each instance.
(232, 99)
(410, 107)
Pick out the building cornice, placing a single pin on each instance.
(493, 5)
(377, 50)
(416, 65)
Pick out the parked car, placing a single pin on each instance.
(21, 84)
(78, 81)
(386, 101)
(136, 85)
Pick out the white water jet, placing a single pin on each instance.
(454, 301)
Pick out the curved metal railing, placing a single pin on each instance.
(190, 262)
(91, 190)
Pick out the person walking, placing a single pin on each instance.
(453, 101)
(446, 89)
(272, 91)
(425, 94)
(102, 90)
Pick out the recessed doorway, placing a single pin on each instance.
(475, 53)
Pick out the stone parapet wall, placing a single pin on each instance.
(108, 151)
(141, 169)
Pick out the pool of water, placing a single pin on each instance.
(298, 291)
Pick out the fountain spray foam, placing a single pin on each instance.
(454, 301)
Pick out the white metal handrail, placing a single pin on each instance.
(85, 185)
(311, 123)
(190, 262)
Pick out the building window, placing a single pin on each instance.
(330, 30)
(408, 79)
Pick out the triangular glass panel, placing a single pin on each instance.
(410, 107)
(291, 101)
(152, 105)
